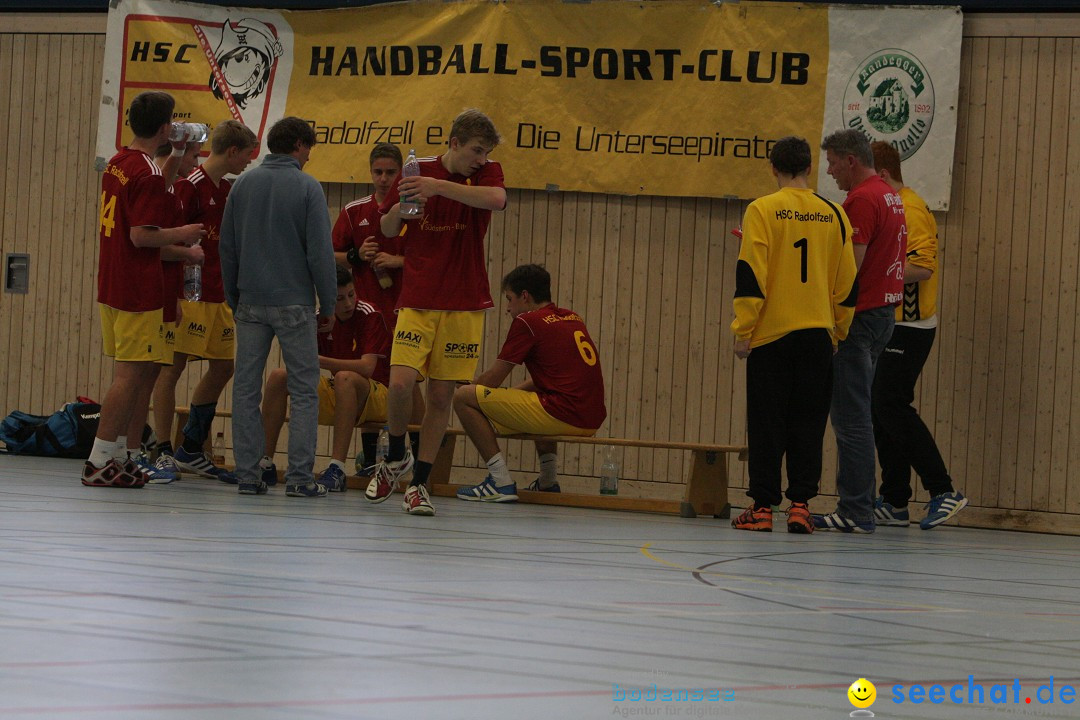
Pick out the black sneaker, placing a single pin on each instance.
(252, 488)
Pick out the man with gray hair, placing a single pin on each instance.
(879, 237)
(276, 255)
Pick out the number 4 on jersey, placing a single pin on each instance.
(108, 211)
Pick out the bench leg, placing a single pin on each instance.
(440, 469)
(707, 487)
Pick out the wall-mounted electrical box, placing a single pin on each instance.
(17, 273)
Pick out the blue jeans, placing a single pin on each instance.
(853, 377)
(294, 326)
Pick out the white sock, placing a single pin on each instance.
(339, 464)
(549, 466)
(266, 463)
(499, 472)
(120, 452)
(102, 452)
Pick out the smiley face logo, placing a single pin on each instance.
(862, 693)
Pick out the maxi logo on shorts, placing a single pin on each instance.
(461, 351)
(196, 329)
(410, 339)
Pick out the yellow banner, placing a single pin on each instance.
(678, 98)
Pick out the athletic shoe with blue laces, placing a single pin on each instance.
(333, 478)
(200, 464)
(155, 475)
(487, 491)
(941, 508)
(886, 514)
(838, 523)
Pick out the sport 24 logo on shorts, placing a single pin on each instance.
(461, 351)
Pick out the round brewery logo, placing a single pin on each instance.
(890, 97)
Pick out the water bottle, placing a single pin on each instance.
(188, 132)
(219, 449)
(382, 447)
(385, 281)
(412, 169)
(192, 282)
(609, 473)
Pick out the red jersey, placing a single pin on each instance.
(445, 260)
(172, 272)
(358, 221)
(561, 358)
(362, 334)
(133, 194)
(204, 203)
(877, 221)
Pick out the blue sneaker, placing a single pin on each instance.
(333, 478)
(886, 514)
(200, 464)
(941, 508)
(269, 475)
(535, 487)
(154, 475)
(488, 492)
(838, 523)
(311, 489)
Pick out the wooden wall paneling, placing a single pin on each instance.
(694, 283)
(636, 234)
(710, 311)
(998, 270)
(602, 321)
(667, 267)
(622, 337)
(651, 303)
(8, 180)
(732, 390)
(1040, 248)
(52, 321)
(957, 307)
(1015, 488)
(1047, 190)
(94, 387)
(985, 488)
(600, 265)
(679, 429)
(1067, 412)
(69, 199)
(34, 145)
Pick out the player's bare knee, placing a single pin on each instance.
(277, 379)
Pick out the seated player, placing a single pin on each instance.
(356, 353)
(563, 396)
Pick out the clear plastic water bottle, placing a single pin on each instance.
(609, 473)
(382, 447)
(385, 281)
(411, 169)
(188, 132)
(192, 282)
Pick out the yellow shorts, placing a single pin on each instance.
(168, 342)
(131, 337)
(374, 409)
(440, 344)
(512, 411)
(207, 330)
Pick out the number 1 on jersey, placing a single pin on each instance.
(801, 244)
(108, 211)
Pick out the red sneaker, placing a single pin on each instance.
(751, 519)
(417, 501)
(112, 475)
(799, 520)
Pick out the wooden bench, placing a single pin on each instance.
(705, 492)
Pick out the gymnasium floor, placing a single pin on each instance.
(189, 601)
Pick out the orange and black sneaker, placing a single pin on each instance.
(799, 520)
(751, 519)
